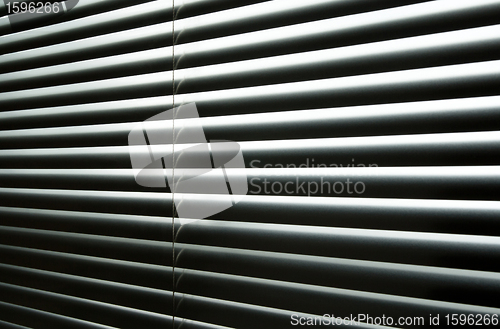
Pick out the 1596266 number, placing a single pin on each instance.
(472, 319)
(32, 7)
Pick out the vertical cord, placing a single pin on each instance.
(173, 165)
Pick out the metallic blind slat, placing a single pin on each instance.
(32, 317)
(407, 88)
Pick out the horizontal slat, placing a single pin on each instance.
(84, 179)
(465, 114)
(106, 45)
(4, 23)
(238, 315)
(470, 45)
(144, 85)
(431, 249)
(188, 8)
(115, 111)
(95, 135)
(134, 16)
(210, 103)
(313, 299)
(458, 183)
(435, 75)
(270, 14)
(148, 37)
(6, 325)
(127, 226)
(471, 217)
(433, 283)
(419, 19)
(132, 203)
(84, 8)
(138, 274)
(464, 80)
(443, 216)
(143, 251)
(452, 81)
(95, 7)
(23, 314)
(135, 297)
(33, 318)
(439, 49)
(180, 323)
(80, 47)
(95, 157)
(112, 43)
(465, 183)
(3, 8)
(453, 149)
(108, 314)
(149, 61)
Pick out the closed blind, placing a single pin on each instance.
(369, 133)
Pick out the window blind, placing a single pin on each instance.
(369, 133)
